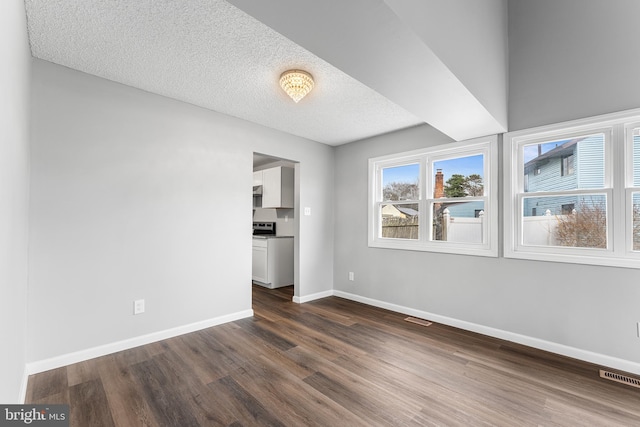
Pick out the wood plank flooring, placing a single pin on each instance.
(334, 362)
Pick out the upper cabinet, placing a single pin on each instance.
(277, 187)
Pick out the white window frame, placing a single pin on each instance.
(488, 147)
(629, 187)
(618, 188)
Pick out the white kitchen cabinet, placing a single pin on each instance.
(257, 185)
(260, 261)
(272, 262)
(277, 187)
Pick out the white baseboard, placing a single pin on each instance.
(564, 350)
(90, 353)
(307, 298)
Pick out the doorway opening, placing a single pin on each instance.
(275, 222)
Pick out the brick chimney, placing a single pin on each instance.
(438, 191)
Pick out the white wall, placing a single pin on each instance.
(570, 59)
(15, 57)
(587, 311)
(139, 196)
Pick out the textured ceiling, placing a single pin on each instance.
(211, 54)
(377, 74)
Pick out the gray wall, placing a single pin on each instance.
(139, 196)
(15, 57)
(476, 51)
(570, 59)
(135, 195)
(592, 309)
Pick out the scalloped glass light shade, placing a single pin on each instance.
(296, 83)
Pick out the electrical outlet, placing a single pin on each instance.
(138, 306)
(351, 276)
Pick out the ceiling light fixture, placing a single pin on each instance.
(296, 83)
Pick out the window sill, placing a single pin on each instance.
(439, 247)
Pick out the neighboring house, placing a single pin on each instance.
(389, 211)
(574, 164)
(464, 209)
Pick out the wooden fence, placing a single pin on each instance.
(400, 228)
(445, 228)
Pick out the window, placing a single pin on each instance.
(568, 208)
(574, 208)
(400, 195)
(567, 165)
(633, 188)
(438, 199)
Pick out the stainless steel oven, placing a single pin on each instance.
(264, 228)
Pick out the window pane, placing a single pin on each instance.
(636, 157)
(459, 222)
(459, 177)
(401, 182)
(575, 221)
(636, 221)
(566, 164)
(400, 221)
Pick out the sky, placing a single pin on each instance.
(460, 165)
(405, 173)
(531, 151)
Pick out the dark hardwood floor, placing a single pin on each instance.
(334, 362)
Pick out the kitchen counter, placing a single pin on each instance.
(271, 237)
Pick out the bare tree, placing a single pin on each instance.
(473, 185)
(400, 191)
(586, 227)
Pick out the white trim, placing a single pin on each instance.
(628, 196)
(617, 169)
(426, 158)
(23, 386)
(90, 353)
(561, 349)
(312, 297)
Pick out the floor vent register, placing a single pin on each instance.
(633, 382)
(418, 321)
